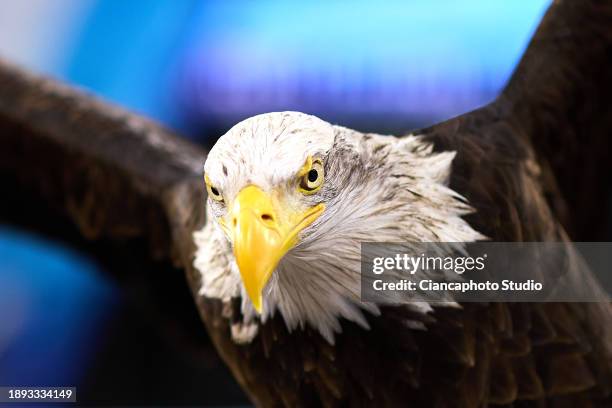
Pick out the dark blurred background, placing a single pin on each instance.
(67, 316)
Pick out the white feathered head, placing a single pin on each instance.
(291, 198)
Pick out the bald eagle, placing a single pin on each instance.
(272, 263)
(291, 198)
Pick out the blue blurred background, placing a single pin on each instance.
(201, 66)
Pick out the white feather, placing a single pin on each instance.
(318, 283)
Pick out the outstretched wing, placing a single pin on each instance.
(556, 111)
(113, 173)
(72, 166)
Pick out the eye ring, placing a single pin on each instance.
(213, 192)
(311, 179)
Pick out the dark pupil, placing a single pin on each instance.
(313, 175)
(214, 191)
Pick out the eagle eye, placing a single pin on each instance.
(213, 192)
(313, 175)
(312, 180)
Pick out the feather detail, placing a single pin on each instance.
(377, 188)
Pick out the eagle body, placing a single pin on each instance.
(413, 354)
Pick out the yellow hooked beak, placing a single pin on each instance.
(262, 232)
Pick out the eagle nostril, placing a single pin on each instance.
(234, 221)
(267, 217)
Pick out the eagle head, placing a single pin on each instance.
(290, 199)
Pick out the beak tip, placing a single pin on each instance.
(257, 304)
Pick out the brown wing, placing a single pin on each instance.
(72, 166)
(114, 173)
(119, 177)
